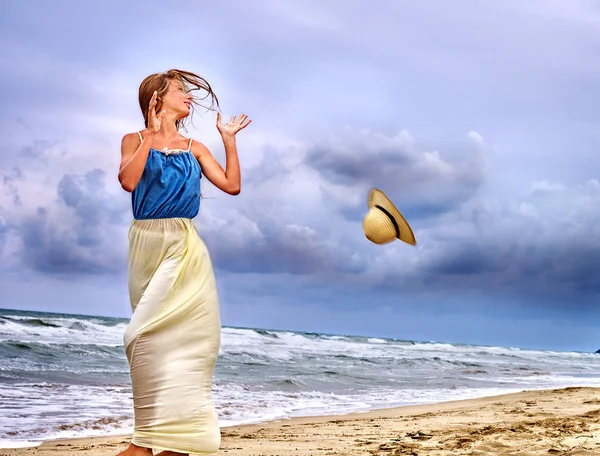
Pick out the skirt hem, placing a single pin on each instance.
(176, 450)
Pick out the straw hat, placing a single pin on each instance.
(384, 223)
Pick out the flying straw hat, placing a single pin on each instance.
(384, 223)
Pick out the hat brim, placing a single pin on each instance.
(378, 198)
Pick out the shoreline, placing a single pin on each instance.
(281, 419)
(560, 419)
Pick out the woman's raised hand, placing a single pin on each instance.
(233, 126)
(154, 121)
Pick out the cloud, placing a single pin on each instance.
(8, 185)
(545, 186)
(76, 235)
(423, 182)
(545, 248)
(304, 209)
(85, 194)
(268, 246)
(60, 221)
(300, 212)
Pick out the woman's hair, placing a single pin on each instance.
(159, 82)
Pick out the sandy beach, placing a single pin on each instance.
(550, 422)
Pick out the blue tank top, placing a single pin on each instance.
(169, 186)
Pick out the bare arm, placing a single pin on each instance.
(133, 159)
(228, 179)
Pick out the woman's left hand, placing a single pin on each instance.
(233, 126)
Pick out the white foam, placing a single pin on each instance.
(374, 340)
(66, 330)
(19, 444)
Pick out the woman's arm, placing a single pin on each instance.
(227, 180)
(133, 159)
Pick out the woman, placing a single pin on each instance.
(173, 338)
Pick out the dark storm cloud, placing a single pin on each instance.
(75, 235)
(423, 183)
(270, 167)
(3, 229)
(552, 272)
(467, 242)
(50, 250)
(273, 248)
(543, 247)
(469, 260)
(543, 250)
(86, 194)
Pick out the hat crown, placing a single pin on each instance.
(378, 227)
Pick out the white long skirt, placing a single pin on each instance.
(173, 338)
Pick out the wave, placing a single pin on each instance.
(61, 330)
(78, 337)
(30, 322)
(16, 347)
(266, 343)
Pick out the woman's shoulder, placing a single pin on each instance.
(132, 137)
(196, 146)
(193, 146)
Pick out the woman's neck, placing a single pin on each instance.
(168, 128)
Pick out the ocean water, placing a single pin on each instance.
(67, 376)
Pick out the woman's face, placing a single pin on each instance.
(176, 100)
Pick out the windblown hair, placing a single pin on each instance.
(160, 83)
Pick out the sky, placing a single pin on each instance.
(480, 121)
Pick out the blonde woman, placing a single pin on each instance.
(173, 338)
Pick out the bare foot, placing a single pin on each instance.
(134, 450)
(170, 453)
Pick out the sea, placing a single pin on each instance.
(64, 376)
